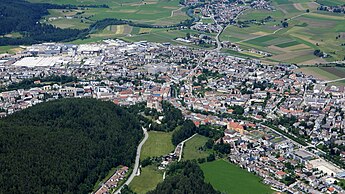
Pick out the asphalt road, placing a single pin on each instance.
(136, 165)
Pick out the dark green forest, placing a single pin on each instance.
(65, 146)
(23, 17)
(184, 177)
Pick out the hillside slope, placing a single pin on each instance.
(65, 146)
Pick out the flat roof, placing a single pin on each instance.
(37, 62)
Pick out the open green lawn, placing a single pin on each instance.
(149, 178)
(158, 144)
(229, 178)
(191, 148)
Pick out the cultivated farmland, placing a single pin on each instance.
(159, 12)
(307, 32)
(325, 73)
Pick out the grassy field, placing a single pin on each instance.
(9, 49)
(149, 178)
(229, 178)
(158, 144)
(160, 12)
(191, 148)
(295, 44)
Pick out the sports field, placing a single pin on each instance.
(158, 144)
(229, 178)
(307, 31)
(149, 178)
(191, 149)
(159, 12)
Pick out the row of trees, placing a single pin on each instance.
(185, 131)
(30, 83)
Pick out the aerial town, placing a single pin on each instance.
(282, 125)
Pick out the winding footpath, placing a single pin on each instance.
(136, 165)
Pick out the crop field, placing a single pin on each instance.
(337, 71)
(229, 178)
(317, 72)
(158, 144)
(159, 12)
(288, 44)
(149, 177)
(244, 55)
(191, 148)
(331, 2)
(325, 73)
(306, 32)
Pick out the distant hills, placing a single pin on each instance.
(65, 146)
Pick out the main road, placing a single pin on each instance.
(136, 165)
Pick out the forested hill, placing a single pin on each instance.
(23, 17)
(65, 146)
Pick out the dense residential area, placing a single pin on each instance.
(172, 96)
(281, 125)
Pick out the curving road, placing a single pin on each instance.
(182, 144)
(136, 165)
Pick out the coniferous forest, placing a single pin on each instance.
(184, 177)
(65, 146)
(23, 17)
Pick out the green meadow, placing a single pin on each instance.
(148, 180)
(229, 178)
(158, 144)
(191, 149)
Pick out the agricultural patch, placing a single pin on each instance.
(288, 44)
(337, 71)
